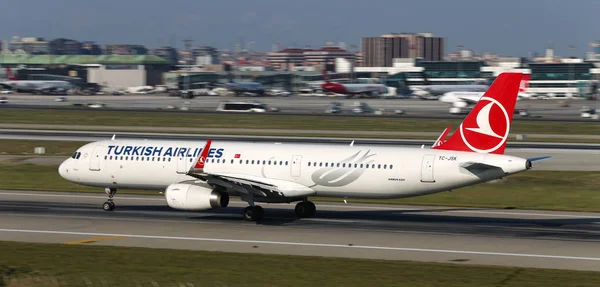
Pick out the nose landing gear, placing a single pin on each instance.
(109, 205)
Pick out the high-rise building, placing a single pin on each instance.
(62, 46)
(167, 53)
(380, 51)
(90, 48)
(287, 59)
(29, 45)
(205, 55)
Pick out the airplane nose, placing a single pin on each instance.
(63, 170)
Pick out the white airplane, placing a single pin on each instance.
(33, 85)
(203, 175)
(466, 99)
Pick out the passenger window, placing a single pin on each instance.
(105, 157)
(338, 164)
(309, 163)
(391, 166)
(280, 162)
(247, 161)
(264, 162)
(361, 165)
(232, 161)
(126, 158)
(169, 159)
(385, 166)
(269, 162)
(379, 166)
(142, 158)
(326, 164)
(286, 163)
(355, 165)
(343, 165)
(320, 164)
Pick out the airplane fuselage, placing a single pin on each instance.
(327, 170)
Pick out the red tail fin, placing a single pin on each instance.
(9, 75)
(524, 83)
(485, 129)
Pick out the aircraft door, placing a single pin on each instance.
(182, 164)
(96, 157)
(427, 168)
(296, 164)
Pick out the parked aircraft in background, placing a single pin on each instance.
(35, 86)
(353, 90)
(463, 101)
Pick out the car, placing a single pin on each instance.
(334, 108)
(3, 100)
(60, 99)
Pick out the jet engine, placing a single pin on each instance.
(460, 104)
(185, 196)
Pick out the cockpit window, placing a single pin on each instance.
(76, 155)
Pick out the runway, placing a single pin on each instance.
(563, 240)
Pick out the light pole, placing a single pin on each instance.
(571, 75)
(460, 48)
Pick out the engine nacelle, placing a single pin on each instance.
(460, 104)
(194, 197)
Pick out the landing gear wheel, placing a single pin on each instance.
(254, 213)
(108, 206)
(305, 209)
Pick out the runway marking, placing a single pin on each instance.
(307, 244)
(341, 206)
(92, 240)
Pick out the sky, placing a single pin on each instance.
(505, 27)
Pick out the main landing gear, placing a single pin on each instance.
(109, 205)
(305, 209)
(254, 213)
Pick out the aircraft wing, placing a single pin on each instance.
(259, 186)
(246, 184)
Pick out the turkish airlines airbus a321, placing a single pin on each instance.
(203, 175)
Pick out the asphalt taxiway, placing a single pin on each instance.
(563, 240)
(554, 110)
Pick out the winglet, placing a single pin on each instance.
(199, 166)
(352, 143)
(442, 137)
(113, 137)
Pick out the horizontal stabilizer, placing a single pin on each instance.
(471, 165)
(539, 158)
